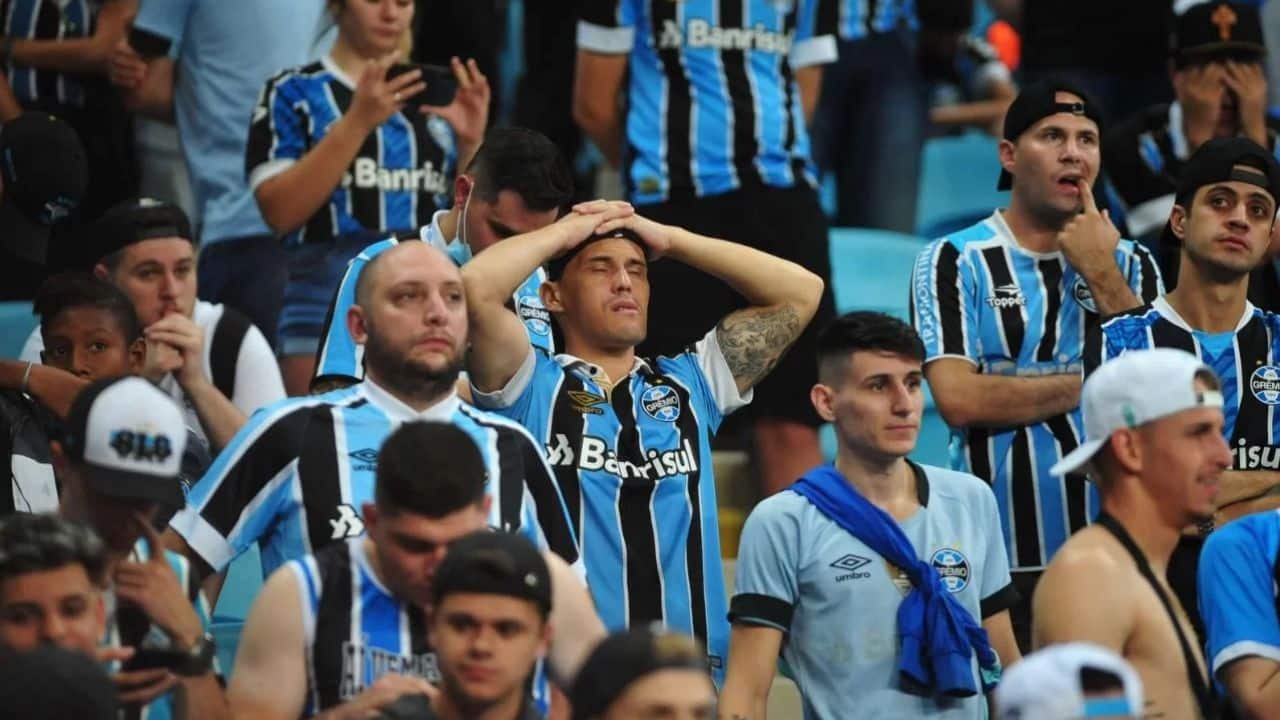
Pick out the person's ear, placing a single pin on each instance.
(101, 272)
(356, 324)
(463, 186)
(549, 292)
(1178, 222)
(1126, 447)
(1008, 153)
(823, 398)
(486, 504)
(369, 514)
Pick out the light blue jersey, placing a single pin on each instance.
(836, 601)
(1237, 583)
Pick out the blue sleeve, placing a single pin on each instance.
(529, 397)
(277, 131)
(814, 43)
(995, 565)
(942, 302)
(1144, 275)
(767, 589)
(165, 17)
(339, 357)
(1236, 585)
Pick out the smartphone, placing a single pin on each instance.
(441, 84)
(148, 44)
(149, 658)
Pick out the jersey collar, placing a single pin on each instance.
(442, 411)
(597, 373)
(337, 72)
(1163, 307)
(432, 235)
(1005, 234)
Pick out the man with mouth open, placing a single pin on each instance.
(1226, 206)
(1003, 307)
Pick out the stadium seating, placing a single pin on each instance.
(957, 183)
(16, 323)
(244, 580)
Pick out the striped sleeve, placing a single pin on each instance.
(817, 22)
(1095, 348)
(607, 26)
(1144, 275)
(277, 135)
(941, 302)
(238, 499)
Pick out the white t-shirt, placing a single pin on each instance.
(257, 375)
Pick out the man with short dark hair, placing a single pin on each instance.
(643, 672)
(319, 618)
(517, 182)
(873, 559)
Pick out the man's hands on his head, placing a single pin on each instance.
(586, 220)
(1200, 92)
(154, 588)
(657, 238)
(1249, 85)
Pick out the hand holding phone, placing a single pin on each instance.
(147, 44)
(441, 88)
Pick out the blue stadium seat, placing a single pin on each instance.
(16, 323)
(871, 270)
(957, 183)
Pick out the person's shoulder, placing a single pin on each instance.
(494, 421)
(299, 74)
(1091, 552)
(981, 231)
(1259, 530)
(780, 509)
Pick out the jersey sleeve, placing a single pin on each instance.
(1236, 585)
(249, 484)
(996, 586)
(258, 381)
(529, 395)
(942, 303)
(815, 40)
(545, 503)
(277, 131)
(165, 17)
(766, 578)
(717, 378)
(1144, 275)
(339, 357)
(607, 26)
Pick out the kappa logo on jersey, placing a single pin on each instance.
(134, 445)
(1255, 457)
(851, 565)
(1083, 296)
(595, 454)
(368, 457)
(534, 314)
(368, 175)
(585, 402)
(347, 525)
(702, 34)
(1265, 384)
(1007, 296)
(952, 567)
(661, 403)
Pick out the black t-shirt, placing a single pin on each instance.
(1129, 36)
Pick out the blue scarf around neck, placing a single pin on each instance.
(939, 636)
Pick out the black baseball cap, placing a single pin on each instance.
(54, 683)
(44, 173)
(1038, 101)
(625, 657)
(1217, 161)
(1218, 30)
(491, 562)
(556, 266)
(133, 221)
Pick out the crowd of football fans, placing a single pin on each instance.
(450, 312)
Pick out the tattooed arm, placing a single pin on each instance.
(783, 296)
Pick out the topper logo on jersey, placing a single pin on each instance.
(852, 566)
(135, 445)
(1265, 384)
(534, 314)
(368, 175)
(952, 567)
(661, 403)
(1255, 457)
(595, 454)
(1083, 296)
(1007, 296)
(363, 665)
(702, 34)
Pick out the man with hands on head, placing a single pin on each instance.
(629, 437)
(1003, 307)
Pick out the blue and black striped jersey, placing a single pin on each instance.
(860, 18)
(712, 100)
(401, 175)
(1246, 360)
(47, 20)
(1238, 582)
(634, 462)
(294, 477)
(979, 296)
(357, 631)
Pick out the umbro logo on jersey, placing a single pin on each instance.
(702, 34)
(347, 525)
(368, 457)
(1007, 296)
(851, 566)
(585, 402)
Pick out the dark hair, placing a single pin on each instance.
(80, 289)
(525, 162)
(867, 330)
(429, 468)
(31, 543)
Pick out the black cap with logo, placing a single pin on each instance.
(1039, 100)
(1218, 31)
(44, 174)
(1218, 161)
(489, 562)
(133, 221)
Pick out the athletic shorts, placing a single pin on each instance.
(684, 303)
(315, 271)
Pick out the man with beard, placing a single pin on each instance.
(295, 475)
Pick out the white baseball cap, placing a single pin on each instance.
(1050, 684)
(1134, 389)
(129, 436)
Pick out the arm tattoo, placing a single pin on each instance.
(753, 340)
